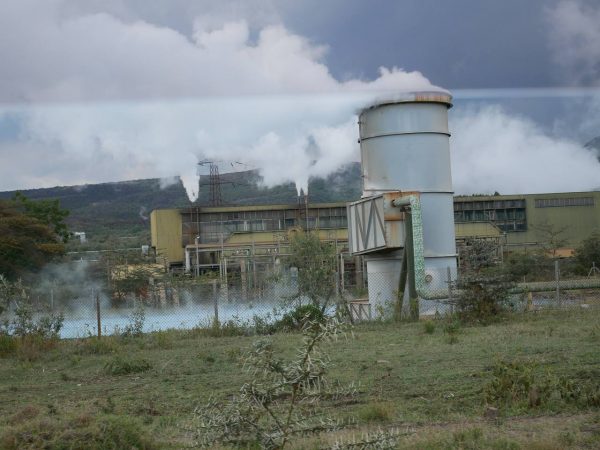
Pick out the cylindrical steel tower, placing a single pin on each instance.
(405, 147)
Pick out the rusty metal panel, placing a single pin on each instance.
(375, 224)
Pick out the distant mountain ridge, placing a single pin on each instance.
(122, 208)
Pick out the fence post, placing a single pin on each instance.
(449, 277)
(557, 278)
(98, 318)
(216, 301)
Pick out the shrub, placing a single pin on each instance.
(8, 345)
(81, 433)
(452, 329)
(299, 317)
(122, 366)
(135, 327)
(316, 264)
(162, 340)
(267, 410)
(376, 412)
(588, 253)
(482, 296)
(31, 347)
(429, 326)
(224, 329)
(46, 327)
(95, 346)
(521, 384)
(532, 266)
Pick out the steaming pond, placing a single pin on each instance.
(83, 323)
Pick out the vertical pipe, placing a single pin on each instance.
(254, 278)
(243, 278)
(449, 280)
(216, 301)
(98, 318)
(342, 284)
(401, 287)
(557, 278)
(410, 253)
(197, 271)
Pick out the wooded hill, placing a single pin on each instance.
(117, 214)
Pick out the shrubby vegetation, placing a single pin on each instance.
(483, 286)
(271, 408)
(588, 253)
(316, 264)
(23, 332)
(30, 236)
(523, 385)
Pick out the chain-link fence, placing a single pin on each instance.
(559, 284)
(173, 302)
(179, 306)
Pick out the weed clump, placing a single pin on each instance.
(135, 327)
(452, 329)
(376, 412)
(121, 366)
(429, 327)
(109, 432)
(25, 334)
(520, 384)
(95, 346)
(8, 345)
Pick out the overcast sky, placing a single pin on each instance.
(104, 90)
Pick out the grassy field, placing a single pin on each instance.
(431, 382)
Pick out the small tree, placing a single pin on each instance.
(315, 261)
(282, 399)
(588, 253)
(26, 243)
(552, 238)
(47, 212)
(483, 288)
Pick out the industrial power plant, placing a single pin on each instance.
(401, 241)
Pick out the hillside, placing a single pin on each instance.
(245, 188)
(111, 212)
(594, 146)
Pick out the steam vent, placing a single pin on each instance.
(404, 223)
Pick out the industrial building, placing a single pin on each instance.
(529, 221)
(202, 237)
(241, 238)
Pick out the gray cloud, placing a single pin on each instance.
(124, 89)
(575, 40)
(60, 56)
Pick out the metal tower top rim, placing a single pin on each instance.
(441, 96)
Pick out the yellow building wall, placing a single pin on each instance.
(476, 229)
(165, 232)
(272, 237)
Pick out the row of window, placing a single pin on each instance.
(558, 202)
(491, 204)
(269, 214)
(491, 215)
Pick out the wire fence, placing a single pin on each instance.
(266, 297)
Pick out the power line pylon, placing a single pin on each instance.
(215, 185)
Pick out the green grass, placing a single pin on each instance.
(407, 378)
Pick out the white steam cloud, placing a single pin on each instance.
(291, 132)
(130, 99)
(493, 151)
